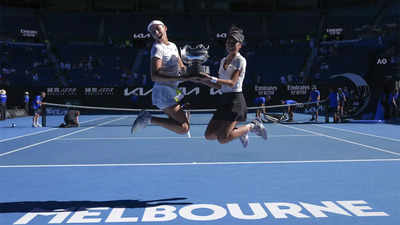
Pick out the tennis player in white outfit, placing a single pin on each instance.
(166, 69)
(232, 106)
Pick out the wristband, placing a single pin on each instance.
(214, 80)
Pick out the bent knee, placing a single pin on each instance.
(184, 129)
(223, 139)
(210, 136)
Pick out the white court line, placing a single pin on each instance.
(26, 135)
(357, 132)
(43, 131)
(161, 138)
(201, 163)
(344, 140)
(58, 137)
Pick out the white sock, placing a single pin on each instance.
(251, 126)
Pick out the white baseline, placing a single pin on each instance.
(43, 131)
(344, 140)
(173, 137)
(58, 137)
(202, 163)
(361, 133)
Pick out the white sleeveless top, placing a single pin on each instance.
(238, 63)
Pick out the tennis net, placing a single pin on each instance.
(114, 117)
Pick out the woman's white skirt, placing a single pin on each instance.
(164, 96)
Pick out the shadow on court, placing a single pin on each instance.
(43, 206)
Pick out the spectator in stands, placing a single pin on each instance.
(37, 108)
(124, 77)
(296, 79)
(89, 66)
(109, 41)
(317, 76)
(3, 104)
(36, 64)
(117, 63)
(45, 61)
(81, 64)
(130, 81)
(332, 50)
(315, 97)
(67, 66)
(301, 77)
(7, 70)
(283, 80)
(97, 76)
(62, 66)
(380, 40)
(395, 102)
(144, 80)
(28, 74)
(324, 66)
(135, 77)
(26, 102)
(290, 78)
(259, 79)
(128, 44)
(392, 104)
(35, 76)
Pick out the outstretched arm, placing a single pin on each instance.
(217, 82)
(208, 80)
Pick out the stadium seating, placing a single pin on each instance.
(286, 54)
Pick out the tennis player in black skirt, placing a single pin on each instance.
(232, 106)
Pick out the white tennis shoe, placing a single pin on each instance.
(142, 120)
(245, 140)
(259, 129)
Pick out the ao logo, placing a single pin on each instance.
(382, 61)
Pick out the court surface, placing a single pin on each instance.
(100, 174)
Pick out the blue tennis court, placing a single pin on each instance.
(101, 174)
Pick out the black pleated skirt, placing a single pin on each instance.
(231, 107)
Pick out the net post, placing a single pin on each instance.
(44, 115)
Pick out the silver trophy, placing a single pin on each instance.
(194, 57)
